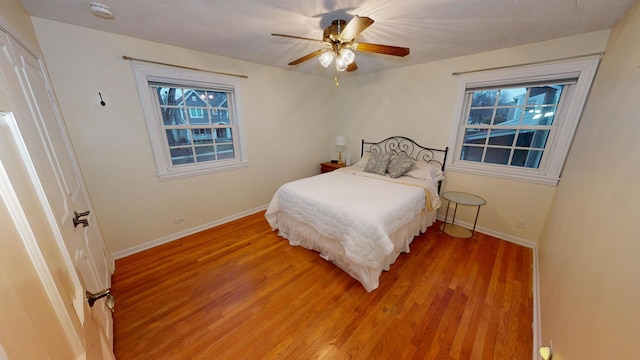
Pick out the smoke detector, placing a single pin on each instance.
(101, 10)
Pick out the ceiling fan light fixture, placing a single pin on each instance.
(341, 65)
(347, 56)
(326, 58)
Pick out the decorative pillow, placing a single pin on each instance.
(378, 163)
(422, 170)
(363, 161)
(399, 165)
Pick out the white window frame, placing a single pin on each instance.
(567, 120)
(144, 74)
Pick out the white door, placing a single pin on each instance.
(42, 305)
(44, 134)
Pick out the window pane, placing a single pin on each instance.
(223, 135)
(471, 153)
(532, 138)
(197, 98)
(205, 153)
(226, 151)
(169, 95)
(475, 136)
(548, 115)
(197, 116)
(512, 96)
(507, 116)
(539, 115)
(182, 155)
(202, 136)
(527, 158)
(497, 156)
(217, 99)
(545, 95)
(502, 137)
(480, 116)
(484, 98)
(181, 107)
(173, 116)
(220, 116)
(177, 137)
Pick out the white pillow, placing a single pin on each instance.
(423, 170)
(363, 161)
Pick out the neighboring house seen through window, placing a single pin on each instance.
(518, 123)
(193, 120)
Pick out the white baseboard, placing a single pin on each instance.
(510, 238)
(165, 239)
(537, 331)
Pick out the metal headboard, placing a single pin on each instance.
(401, 144)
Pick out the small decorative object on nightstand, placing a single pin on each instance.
(462, 198)
(341, 143)
(330, 166)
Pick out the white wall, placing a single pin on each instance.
(135, 208)
(419, 102)
(287, 131)
(589, 268)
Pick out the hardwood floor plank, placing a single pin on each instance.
(238, 291)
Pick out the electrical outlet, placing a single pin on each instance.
(179, 220)
(521, 223)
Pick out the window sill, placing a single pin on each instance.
(178, 173)
(498, 172)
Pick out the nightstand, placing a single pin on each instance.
(461, 198)
(330, 166)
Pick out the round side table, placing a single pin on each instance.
(461, 198)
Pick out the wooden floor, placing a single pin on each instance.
(239, 291)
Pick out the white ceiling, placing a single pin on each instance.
(432, 29)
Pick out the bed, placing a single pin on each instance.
(362, 217)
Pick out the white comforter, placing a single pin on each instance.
(357, 208)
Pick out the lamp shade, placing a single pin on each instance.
(347, 55)
(326, 58)
(341, 141)
(341, 64)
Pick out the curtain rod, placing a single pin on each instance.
(125, 57)
(530, 63)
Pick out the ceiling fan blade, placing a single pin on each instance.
(307, 57)
(357, 25)
(297, 37)
(352, 67)
(381, 49)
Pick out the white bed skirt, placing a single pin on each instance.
(330, 249)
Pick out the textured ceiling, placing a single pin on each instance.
(432, 29)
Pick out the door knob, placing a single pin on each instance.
(77, 221)
(110, 302)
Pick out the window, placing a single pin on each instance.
(518, 123)
(193, 119)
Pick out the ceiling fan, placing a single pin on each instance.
(338, 41)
